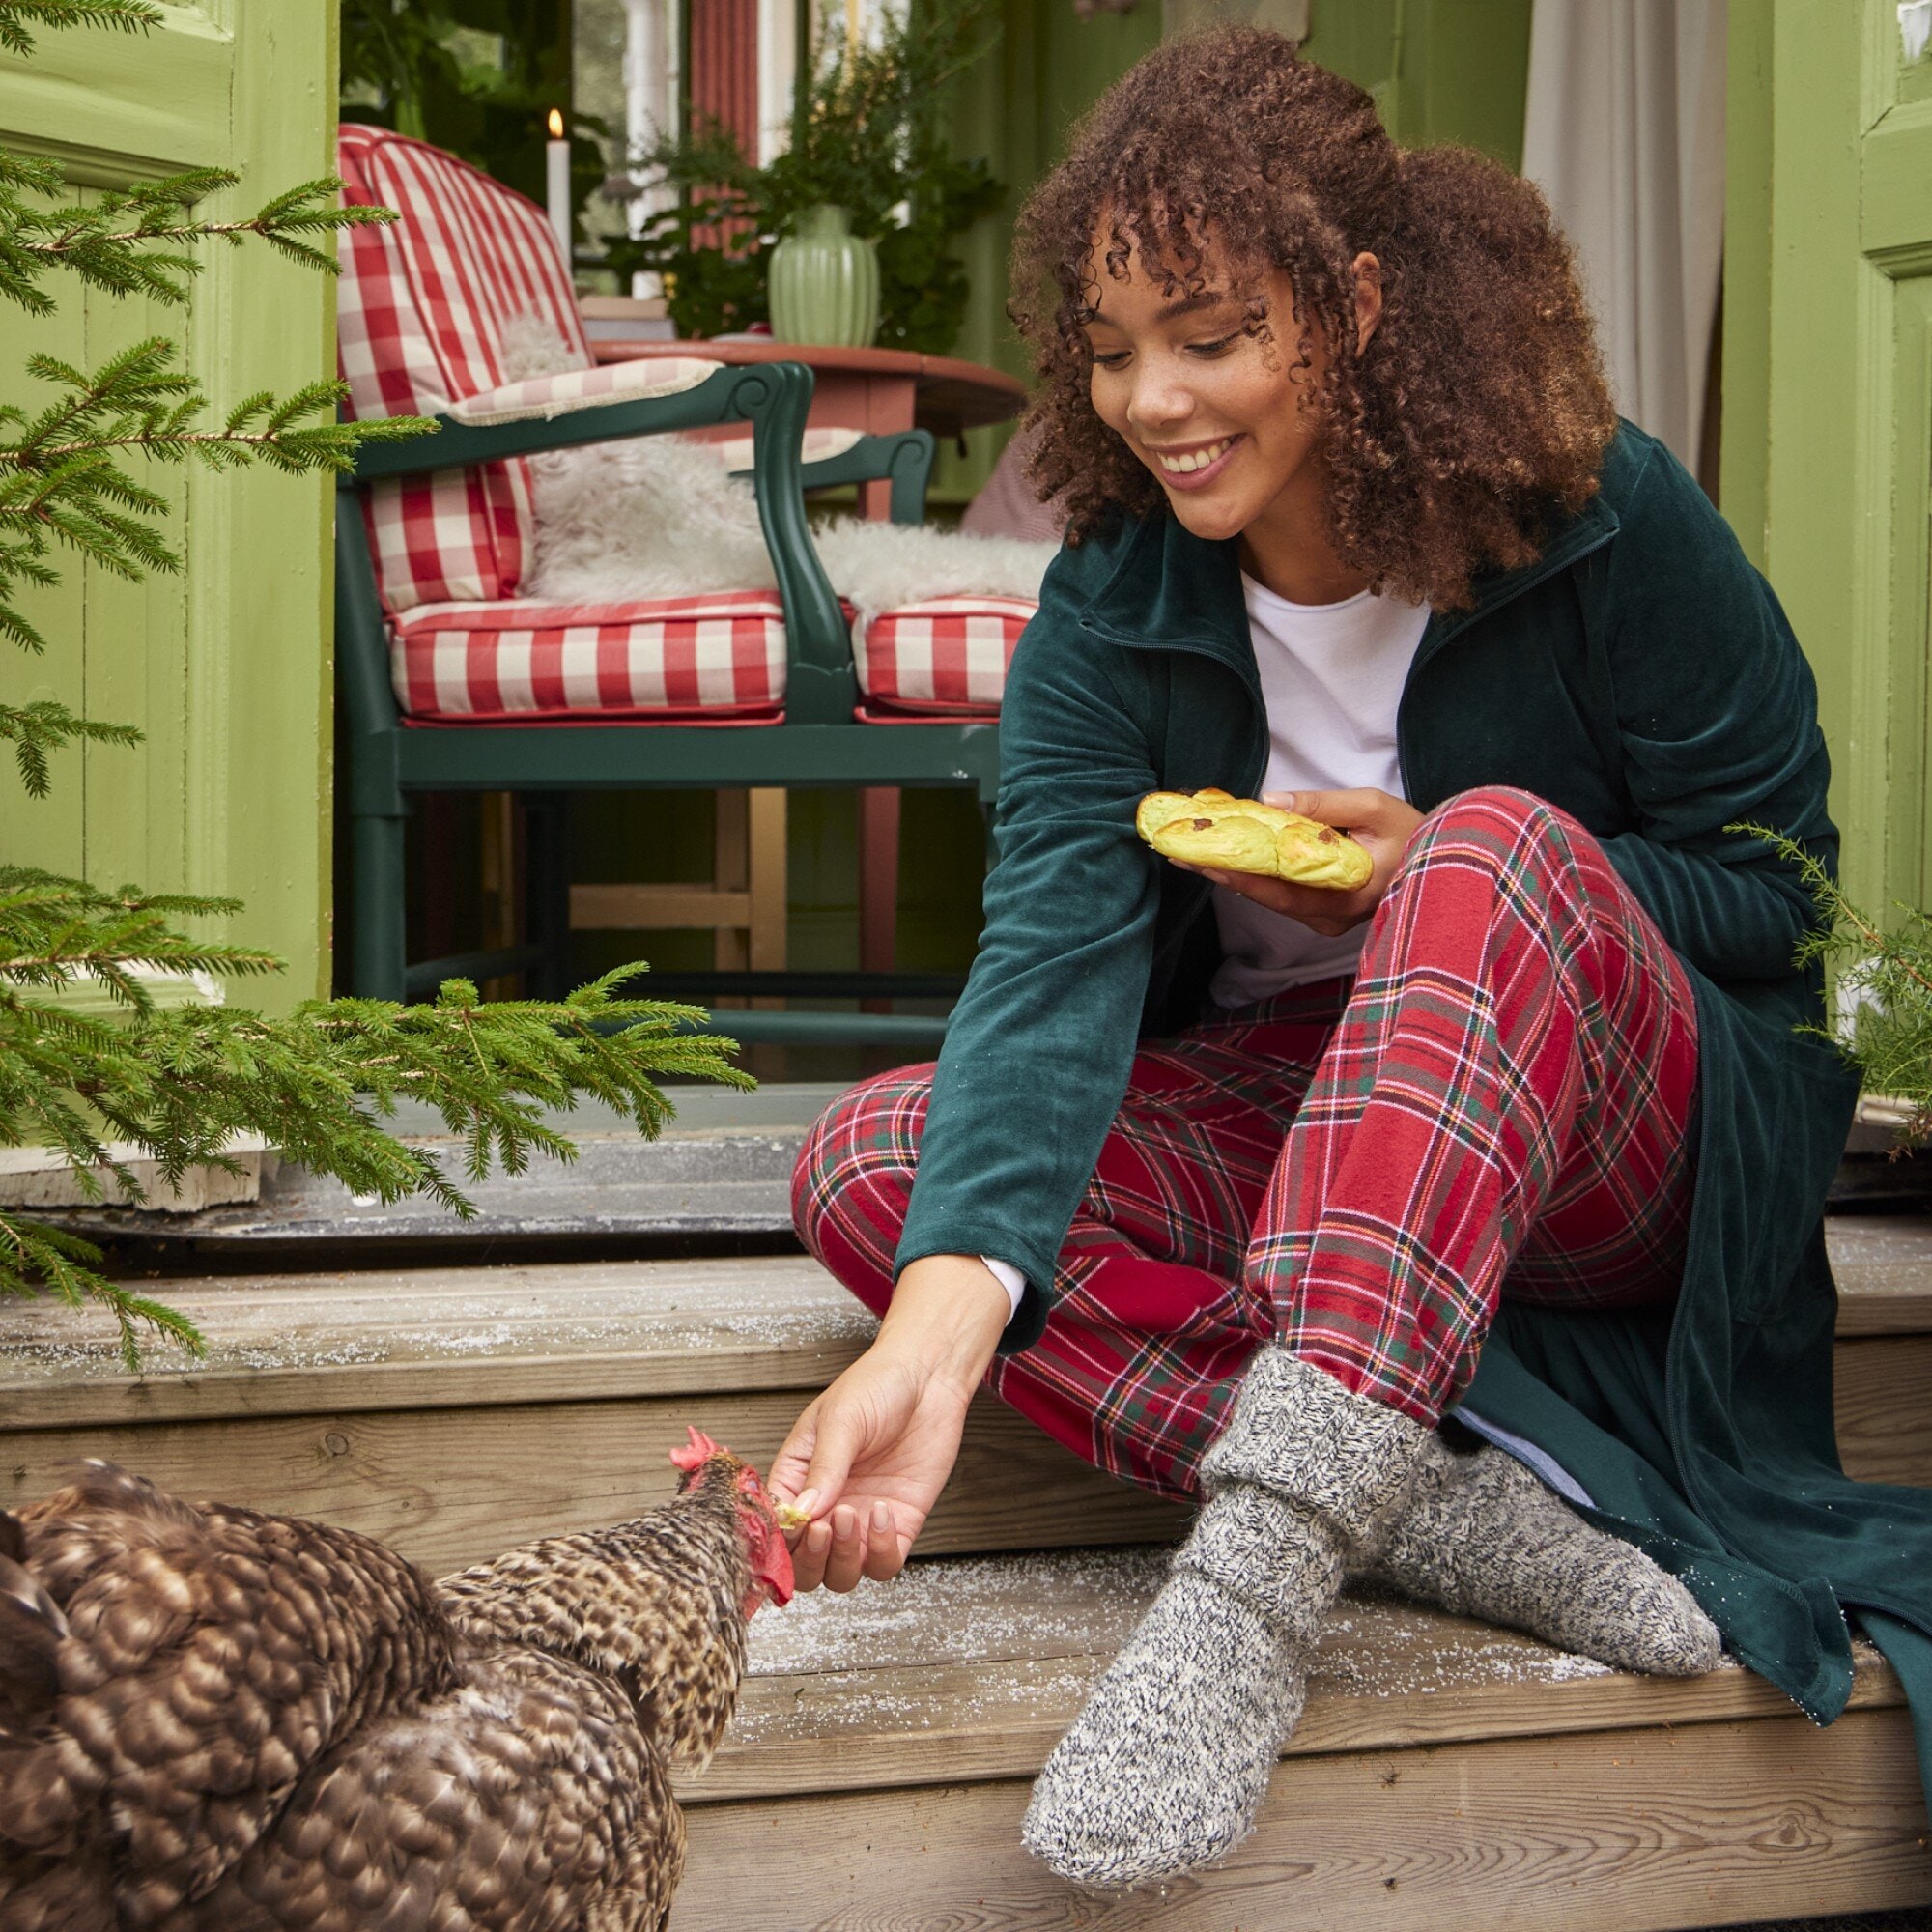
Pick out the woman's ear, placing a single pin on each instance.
(1368, 273)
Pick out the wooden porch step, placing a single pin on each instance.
(1444, 1773)
(457, 1411)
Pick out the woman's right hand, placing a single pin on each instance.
(866, 1461)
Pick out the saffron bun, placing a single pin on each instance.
(1242, 834)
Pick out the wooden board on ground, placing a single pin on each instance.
(448, 1486)
(1618, 1831)
(1883, 1396)
(455, 1337)
(440, 1338)
(458, 1411)
(971, 1668)
(1883, 1264)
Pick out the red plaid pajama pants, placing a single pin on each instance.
(1498, 1105)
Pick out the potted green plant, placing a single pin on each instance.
(869, 172)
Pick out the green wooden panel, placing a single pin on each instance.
(1902, 667)
(1017, 109)
(1893, 187)
(1832, 408)
(1744, 432)
(1452, 70)
(119, 106)
(225, 667)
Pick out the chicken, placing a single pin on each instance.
(216, 1718)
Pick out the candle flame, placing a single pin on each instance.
(555, 125)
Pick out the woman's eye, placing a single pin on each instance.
(1218, 347)
(1112, 358)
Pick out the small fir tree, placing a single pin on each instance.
(1884, 986)
(179, 1083)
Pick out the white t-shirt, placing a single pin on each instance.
(1331, 678)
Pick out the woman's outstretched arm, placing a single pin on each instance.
(869, 1457)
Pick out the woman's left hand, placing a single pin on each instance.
(1376, 820)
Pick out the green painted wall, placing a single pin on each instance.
(1827, 405)
(1439, 69)
(1016, 107)
(226, 668)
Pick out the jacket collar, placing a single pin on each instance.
(1174, 591)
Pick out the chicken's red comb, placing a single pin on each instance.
(696, 1451)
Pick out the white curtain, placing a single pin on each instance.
(1624, 131)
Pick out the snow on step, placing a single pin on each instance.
(969, 1669)
(385, 1339)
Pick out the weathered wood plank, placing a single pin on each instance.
(972, 1669)
(458, 1337)
(1883, 1264)
(1883, 1395)
(445, 1338)
(453, 1485)
(1620, 1830)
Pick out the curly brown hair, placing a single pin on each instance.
(1478, 409)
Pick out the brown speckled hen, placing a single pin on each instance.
(215, 1717)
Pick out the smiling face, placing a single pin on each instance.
(1227, 421)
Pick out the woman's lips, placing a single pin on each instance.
(1196, 479)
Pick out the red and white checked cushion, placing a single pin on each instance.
(421, 307)
(945, 656)
(544, 398)
(721, 655)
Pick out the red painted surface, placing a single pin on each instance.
(725, 66)
(724, 82)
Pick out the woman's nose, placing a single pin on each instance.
(1159, 401)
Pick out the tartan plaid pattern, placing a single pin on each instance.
(421, 310)
(1499, 1105)
(723, 655)
(946, 656)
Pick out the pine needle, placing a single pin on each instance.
(179, 1084)
(1884, 977)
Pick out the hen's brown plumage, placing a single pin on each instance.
(216, 1717)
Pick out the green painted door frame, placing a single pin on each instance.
(1827, 458)
(226, 666)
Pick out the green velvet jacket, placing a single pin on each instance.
(1643, 677)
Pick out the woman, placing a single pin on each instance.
(1353, 524)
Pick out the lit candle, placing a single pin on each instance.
(557, 182)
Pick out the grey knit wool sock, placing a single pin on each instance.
(1166, 1767)
(1480, 1536)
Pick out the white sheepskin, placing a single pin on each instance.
(657, 516)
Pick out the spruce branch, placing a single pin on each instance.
(130, 240)
(63, 482)
(177, 1084)
(39, 729)
(16, 17)
(36, 1259)
(1885, 985)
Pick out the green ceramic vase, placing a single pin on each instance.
(824, 283)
